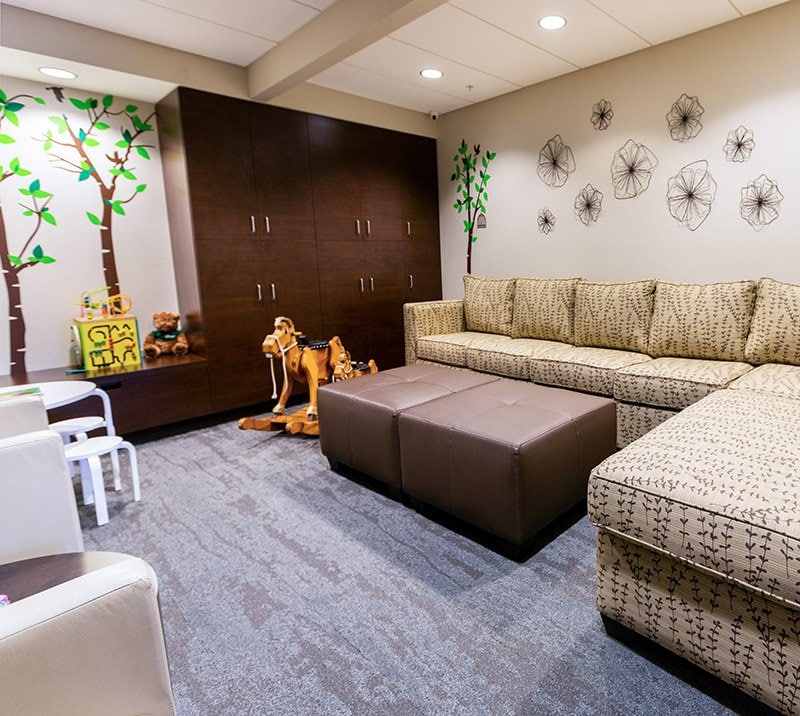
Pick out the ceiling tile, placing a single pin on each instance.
(452, 33)
(590, 35)
(748, 6)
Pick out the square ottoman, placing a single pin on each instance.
(358, 418)
(508, 457)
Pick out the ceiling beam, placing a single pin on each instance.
(343, 29)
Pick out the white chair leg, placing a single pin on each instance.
(86, 483)
(115, 469)
(98, 489)
(134, 468)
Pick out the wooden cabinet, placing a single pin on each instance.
(328, 222)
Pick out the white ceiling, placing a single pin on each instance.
(485, 48)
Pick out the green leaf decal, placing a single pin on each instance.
(5, 139)
(131, 108)
(100, 125)
(108, 100)
(12, 117)
(143, 152)
(14, 260)
(29, 212)
(82, 135)
(47, 260)
(93, 218)
(37, 252)
(79, 103)
(128, 174)
(122, 144)
(35, 185)
(14, 106)
(38, 100)
(91, 142)
(84, 175)
(60, 122)
(141, 188)
(48, 217)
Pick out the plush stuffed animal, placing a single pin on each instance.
(166, 338)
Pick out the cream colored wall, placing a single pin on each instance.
(744, 73)
(141, 237)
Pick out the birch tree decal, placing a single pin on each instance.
(78, 150)
(27, 253)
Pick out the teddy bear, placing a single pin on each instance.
(166, 338)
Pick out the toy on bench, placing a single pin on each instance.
(312, 362)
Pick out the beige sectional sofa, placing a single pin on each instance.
(698, 515)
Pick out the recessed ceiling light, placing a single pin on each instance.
(58, 73)
(429, 73)
(552, 22)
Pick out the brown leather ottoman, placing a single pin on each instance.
(358, 417)
(508, 457)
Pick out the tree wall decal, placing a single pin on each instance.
(471, 179)
(78, 150)
(14, 260)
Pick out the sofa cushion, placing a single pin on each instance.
(716, 486)
(675, 382)
(775, 329)
(451, 348)
(544, 308)
(701, 320)
(771, 378)
(613, 315)
(634, 420)
(511, 358)
(583, 368)
(489, 304)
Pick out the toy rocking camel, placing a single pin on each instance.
(313, 362)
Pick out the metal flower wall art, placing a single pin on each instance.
(602, 113)
(555, 163)
(690, 194)
(683, 118)
(761, 201)
(588, 204)
(546, 221)
(631, 170)
(739, 145)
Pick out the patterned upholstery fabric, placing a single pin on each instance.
(635, 420)
(451, 348)
(675, 382)
(587, 369)
(716, 487)
(775, 329)
(511, 358)
(489, 304)
(745, 638)
(701, 320)
(544, 308)
(428, 318)
(613, 315)
(771, 378)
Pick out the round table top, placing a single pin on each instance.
(56, 393)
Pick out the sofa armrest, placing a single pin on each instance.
(430, 318)
(92, 645)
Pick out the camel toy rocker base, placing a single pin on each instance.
(312, 362)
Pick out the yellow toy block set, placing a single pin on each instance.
(105, 335)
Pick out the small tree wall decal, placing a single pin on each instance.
(471, 188)
(82, 154)
(29, 253)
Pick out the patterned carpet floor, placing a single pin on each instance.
(288, 589)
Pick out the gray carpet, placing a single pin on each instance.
(288, 589)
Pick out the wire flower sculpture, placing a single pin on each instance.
(546, 221)
(690, 194)
(683, 118)
(602, 114)
(588, 204)
(631, 170)
(739, 145)
(556, 162)
(761, 201)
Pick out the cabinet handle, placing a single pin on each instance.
(266, 224)
(273, 292)
(258, 291)
(408, 228)
(369, 228)
(411, 280)
(371, 284)
(361, 285)
(252, 224)
(358, 227)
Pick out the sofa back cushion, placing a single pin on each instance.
(489, 304)
(775, 329)
(701, 320)
(613, 315)
(544, 308)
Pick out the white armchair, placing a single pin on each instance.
(38, 513)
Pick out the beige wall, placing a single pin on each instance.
(746, 72)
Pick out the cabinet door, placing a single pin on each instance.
(423, 269)
(291, 286)
(383, 269)
(235, 322)
(282, 173)
(219, 162)
(416, 163)
(380, 183)
(334, 152)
